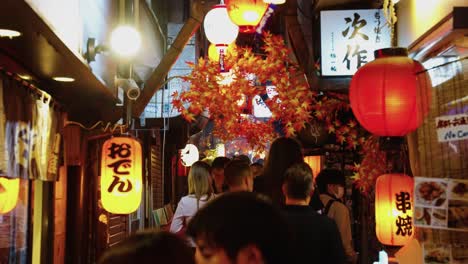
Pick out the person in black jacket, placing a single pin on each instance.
(316, 237)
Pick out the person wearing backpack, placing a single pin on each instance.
(331, 184)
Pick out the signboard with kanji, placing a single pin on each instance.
(452, 128)
(349, 38)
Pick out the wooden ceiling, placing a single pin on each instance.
(39, 53)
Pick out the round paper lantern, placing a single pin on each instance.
(213, 51)
(9, 191)
(121, 175)
(189, 155)
(247, 14)
(385, 94)
(394, 209)
(219, 29)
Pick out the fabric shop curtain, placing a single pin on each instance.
(30, 131)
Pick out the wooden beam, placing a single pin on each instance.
(157, 78)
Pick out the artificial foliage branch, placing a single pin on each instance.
(220, 94)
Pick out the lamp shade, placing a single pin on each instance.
(219, 29)
(247, 14)
(121, 175)
(9, 191)
(385, 94)
(394, 209)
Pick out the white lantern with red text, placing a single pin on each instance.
(394, 209)
(219, 29)
(121, 175)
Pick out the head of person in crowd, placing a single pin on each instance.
(298, 184)
(238, 228)
(243, 158)
(332, 182)
(199, 180)
(283, 153)
(150, 247)
(257, 169)
(238, 176)
(217, 172)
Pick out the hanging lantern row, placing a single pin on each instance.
(394, 209)
(121, 175)
(385, 94)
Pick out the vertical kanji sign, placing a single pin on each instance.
(394, 209)
(349, 38)
(121, 175)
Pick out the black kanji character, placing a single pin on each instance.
(357, 25)
(403, 201)
(361, 59)
(405, 226)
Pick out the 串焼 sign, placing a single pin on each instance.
(394, 209)
(349, 38)
(121, 175)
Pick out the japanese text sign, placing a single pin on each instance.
(121, 175)
(452, 128)
(349, 38)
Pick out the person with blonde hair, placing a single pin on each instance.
(200, 192)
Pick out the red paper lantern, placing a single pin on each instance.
(121, 175)
(394, 209)
(385, 94)
(247, 14)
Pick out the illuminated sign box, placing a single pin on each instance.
(349, 38)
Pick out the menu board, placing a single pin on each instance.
(441, 203)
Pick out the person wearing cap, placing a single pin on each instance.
(331, 184)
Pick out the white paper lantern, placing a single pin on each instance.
(219, 29)
(189, 155)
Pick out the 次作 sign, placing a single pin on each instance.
(349, 38)
(452, 127)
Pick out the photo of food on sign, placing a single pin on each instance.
(458, 189)
(439, 217)
(422, 216)
(436, 255)
(431, 193)
(458, 214)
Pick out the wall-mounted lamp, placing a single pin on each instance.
(125, 42)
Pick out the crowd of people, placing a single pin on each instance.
(237, 212)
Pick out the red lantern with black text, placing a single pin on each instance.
(247, 14)
(9, 192)
(394, 209)
(121, 175)
(386, 96)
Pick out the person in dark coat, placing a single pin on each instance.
(316, 237)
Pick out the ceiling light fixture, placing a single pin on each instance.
(63, 79)
(8, 33)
